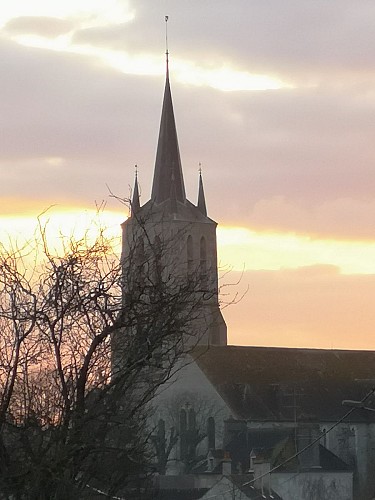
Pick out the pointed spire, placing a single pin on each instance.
(168, 160)
(201, 198)
(135, 204)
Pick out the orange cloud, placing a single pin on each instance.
(307, 307)
(342, 218)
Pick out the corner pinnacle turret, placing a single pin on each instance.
(135, 203)
(201, 198)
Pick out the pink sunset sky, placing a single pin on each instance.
(276, 100)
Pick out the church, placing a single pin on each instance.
(256, 420)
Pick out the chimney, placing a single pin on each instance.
(252, 458)
(226, 464)
(262, 476)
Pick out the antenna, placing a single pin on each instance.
(166, 44)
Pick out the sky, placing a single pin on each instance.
(276, 100)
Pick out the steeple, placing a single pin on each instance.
(135, 204)
(186, 234)
(201, 198)
(168, 162)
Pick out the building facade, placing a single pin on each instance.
(252, 403)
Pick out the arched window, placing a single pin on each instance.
(136, 268)
(157, 256)
(191, 419)
(203, 261)
(140, 254)
(189, 255)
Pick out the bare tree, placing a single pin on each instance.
(72, 414)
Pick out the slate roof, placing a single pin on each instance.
(276, 445)
(331, 462)
(179, 494)
(162, 212)
(194, 494)
(168, 169)
(168, 197)
(249, 490)
(264, 383)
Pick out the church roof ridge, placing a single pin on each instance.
(197, 349)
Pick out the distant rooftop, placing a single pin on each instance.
(264, 383)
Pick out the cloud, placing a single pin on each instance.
(307, 307)
(49, 27)
(343, 218)
(96, 121)
(297, 160)
(307, 42)
(314, 150)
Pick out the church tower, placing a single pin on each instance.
(179, 234)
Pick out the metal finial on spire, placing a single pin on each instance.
(136, 170)
(200, 168)
(166, 44)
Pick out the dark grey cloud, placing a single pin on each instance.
(296, 39)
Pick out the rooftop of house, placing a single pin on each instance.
(272, 383)
(277, 446)
(179, 494)
(241, 482)
(222, 485)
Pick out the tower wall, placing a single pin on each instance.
(169, 246)
(185, 251)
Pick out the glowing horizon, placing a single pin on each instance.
(239, 248)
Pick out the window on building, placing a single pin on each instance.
(158, 261)
(140, 254)
(203, 261)
(190, 255)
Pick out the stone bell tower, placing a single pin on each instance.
(179, 234)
